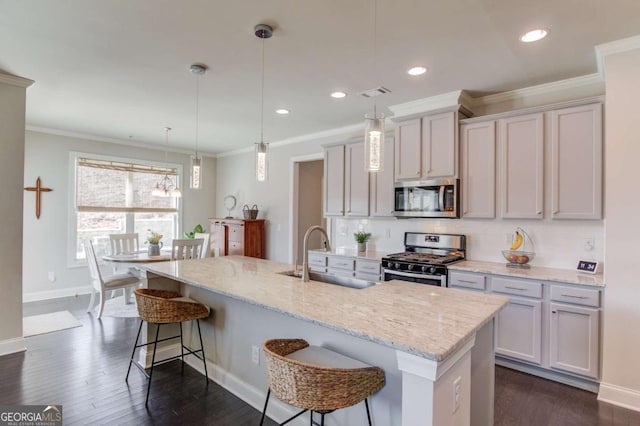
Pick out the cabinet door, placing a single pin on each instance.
(478, 148)
(574, 342)
(356, 183)
(218, 238)
(334, 181)
(408, 152)
(439, 145)
(576, 156)
(382, 189)
(521, 177)
(518, 330)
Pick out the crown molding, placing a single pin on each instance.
(440, 102)
(90, 137)
(618, 46)
(327, 136)
(14, 80)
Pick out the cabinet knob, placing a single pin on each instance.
(556, 212)
(553, 312)
(539, 212)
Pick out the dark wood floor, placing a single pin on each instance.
(83, 369)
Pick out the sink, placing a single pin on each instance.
(333, 279)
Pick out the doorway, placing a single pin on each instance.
(307, 203)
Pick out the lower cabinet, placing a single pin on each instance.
(519, 330)
(350, 266)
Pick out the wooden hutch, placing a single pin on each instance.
(244, 237)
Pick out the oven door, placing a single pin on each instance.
(437, 280)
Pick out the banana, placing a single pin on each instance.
(517, 241)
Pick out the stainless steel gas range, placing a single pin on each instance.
(425, 258)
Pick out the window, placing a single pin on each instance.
(114, 197)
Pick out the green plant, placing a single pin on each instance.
(362, 237)
(153, 237)
(197, 230)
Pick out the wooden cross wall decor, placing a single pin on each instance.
(38, 189)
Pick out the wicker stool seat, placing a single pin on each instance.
(316, 379)
(167, 307)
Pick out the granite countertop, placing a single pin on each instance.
(351, 252)
(428, 321)
(535, 272)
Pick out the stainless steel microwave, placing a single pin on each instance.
(427, 198)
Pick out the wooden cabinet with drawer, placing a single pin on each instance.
(238, 237)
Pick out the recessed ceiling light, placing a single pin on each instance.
(417, 71)
(282, 111)
(534, 35)
(338, 95)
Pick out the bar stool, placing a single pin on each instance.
(317, 379)
(167, 307)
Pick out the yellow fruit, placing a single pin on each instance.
(517, 242)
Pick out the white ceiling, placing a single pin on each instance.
(120, 68)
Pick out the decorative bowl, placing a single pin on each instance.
(516, 257)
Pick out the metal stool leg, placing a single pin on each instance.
(204, 360)
(264, 410)
(153, 360)
(321, 419)
(181, 349)
(133, 352)
(366, 404)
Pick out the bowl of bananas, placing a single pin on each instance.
(518, 256)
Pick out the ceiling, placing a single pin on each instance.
(120, 68)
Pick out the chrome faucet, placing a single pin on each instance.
(305, 255)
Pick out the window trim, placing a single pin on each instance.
(72, 217)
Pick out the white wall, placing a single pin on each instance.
(621, 374)
(12, 111)
(45, 240)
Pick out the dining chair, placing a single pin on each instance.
(205, 244)
(101, 283)
(186, 248)
(124, 243)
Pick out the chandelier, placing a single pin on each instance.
(166, 187)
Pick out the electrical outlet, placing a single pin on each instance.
(589, 244)
(255, 355)
(457, 384)
(52, 276)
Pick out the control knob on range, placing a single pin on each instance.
(432, 269)
(424, 269)
(410, 267)
(397, 265)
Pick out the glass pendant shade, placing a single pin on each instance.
(374, 142)
(195, 181)
(262, 161)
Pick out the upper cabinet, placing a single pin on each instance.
(426, 147)
(334, 181)
(478, 154)
(576, 156)
(382, 193)
(522, 166)
(356, 181)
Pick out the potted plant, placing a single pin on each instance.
(153, 239)
(362, 238)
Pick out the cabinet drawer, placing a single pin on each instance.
(368, 277)
(236, 233)
(236, 248)
(577, 296)
(517, 287)
(341, 262)
(316, 268)
(340, 271)
(473, 281)
(367, 267)
(317, 259)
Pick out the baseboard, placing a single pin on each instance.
(566, 379)
(620, 396)
(11, 346)
(55, 294)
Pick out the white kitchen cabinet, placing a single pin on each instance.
(334, 181)
(576, 155)
(356, 181)
(478, 152)
(518, 330)
(408, 150)
(317, 261)
(574, 339)
(382, 198)
(467, 281)
(439, 146)
(522, 168)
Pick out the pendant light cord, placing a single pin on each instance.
(262, 98)
(197, 110)
(375, 45)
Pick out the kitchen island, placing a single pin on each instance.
(433, 343)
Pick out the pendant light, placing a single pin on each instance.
(195, 178)
(374, 124)
(166, 187)
(262, 31)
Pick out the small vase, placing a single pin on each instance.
(154, 249)
(362, 247)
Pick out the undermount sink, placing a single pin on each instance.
(333, 279)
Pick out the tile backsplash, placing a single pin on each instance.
(557, 244)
